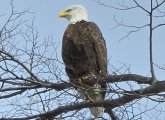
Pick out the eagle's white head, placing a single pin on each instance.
(75, 13)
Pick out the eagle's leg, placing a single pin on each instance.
(88, 93)
(80, 80)
(88, 97)
(87, 77)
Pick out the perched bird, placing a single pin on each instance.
(84, 54)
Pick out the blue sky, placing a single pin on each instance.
(132, 51)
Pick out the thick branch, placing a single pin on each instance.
(109, 79)
(61, 86)
(12, 94)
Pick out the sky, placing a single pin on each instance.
(132, 51)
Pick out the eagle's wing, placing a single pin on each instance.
(90, 39)
(95, 48)
(99, 47)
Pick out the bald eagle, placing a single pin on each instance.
(84, 54)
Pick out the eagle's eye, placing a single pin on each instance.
(68, 10)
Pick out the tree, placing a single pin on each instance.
(35, 86)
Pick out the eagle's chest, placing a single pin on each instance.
(77, 46)
(75, 50)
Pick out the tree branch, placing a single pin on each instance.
(158, 5)
(61, 86)
(151, 41)
(156, 87)
(141, 7)
(109, 79)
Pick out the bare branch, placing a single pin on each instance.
(134, 27)
(110, 79)
(157, 87)
(111, 114)
(122, 7)
(159, 25)
(158, 5)
(141, 7)
(12, 94)
(151, 41)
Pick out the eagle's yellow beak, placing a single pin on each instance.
(63, 14)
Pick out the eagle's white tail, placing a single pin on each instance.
(97, 111)
(96, 95)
